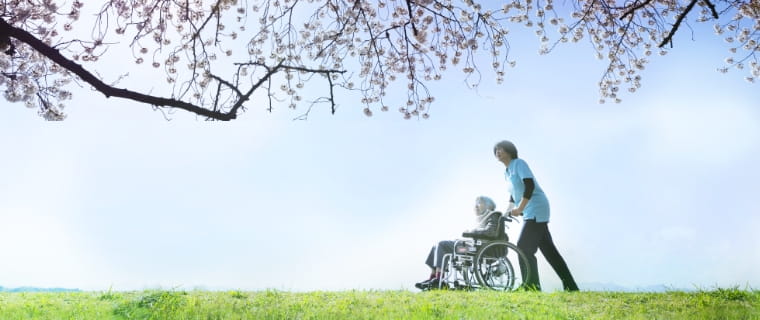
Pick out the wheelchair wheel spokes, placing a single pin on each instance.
(496, 266)
(496, 273)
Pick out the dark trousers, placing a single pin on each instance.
(534, 236)
(435, 256)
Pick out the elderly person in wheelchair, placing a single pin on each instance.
(480, 260)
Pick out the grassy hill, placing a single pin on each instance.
(714, 304)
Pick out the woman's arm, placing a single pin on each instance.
(529, 187)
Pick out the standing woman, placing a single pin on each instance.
(534, 207)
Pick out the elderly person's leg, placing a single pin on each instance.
(435, 262)
(430, 261)
(444, 247)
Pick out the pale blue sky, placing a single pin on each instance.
(659, 189)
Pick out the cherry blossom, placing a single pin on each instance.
(217, 58)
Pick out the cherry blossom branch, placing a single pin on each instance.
(669, 37)
(411, 17)
(712, 9)
(633, 9)
(7, 30)
(99, 85)
(271, 70)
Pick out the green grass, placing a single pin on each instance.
(713, 304)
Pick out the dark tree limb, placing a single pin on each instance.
(712, 9)
(633, 9)
(669, 37)
(107, 90)
(9, 31)
(411, 17)
(332, 100)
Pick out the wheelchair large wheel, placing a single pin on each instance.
(497, 266)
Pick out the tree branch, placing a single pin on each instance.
(99, 85)
(7, 30)
(712, 9)
(669, 37)
(327, 73)
(638, 6)
(411, 17)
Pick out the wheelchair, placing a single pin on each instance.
(480, 262)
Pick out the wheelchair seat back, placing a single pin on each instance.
(501, 231)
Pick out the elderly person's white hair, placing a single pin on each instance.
(487, 203)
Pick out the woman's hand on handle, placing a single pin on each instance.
(519, 210)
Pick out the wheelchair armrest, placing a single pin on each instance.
(477, 236)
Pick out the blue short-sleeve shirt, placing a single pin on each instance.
(538, 205)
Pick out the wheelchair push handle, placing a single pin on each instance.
(507, 216)
(510, 218)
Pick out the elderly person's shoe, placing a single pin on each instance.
(428, 284)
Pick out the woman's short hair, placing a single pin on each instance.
(487, 202)
(508, 147)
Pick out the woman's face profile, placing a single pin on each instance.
(501, 155)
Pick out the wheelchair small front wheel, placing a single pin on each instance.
(498, 266)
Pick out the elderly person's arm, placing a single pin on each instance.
(488, 227)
